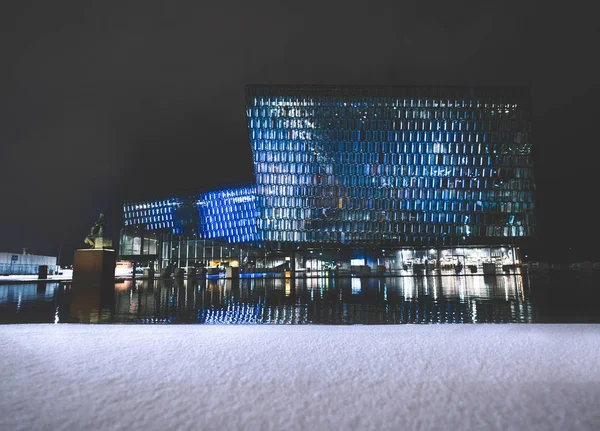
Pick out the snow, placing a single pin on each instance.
(64, 275)
(188, 377)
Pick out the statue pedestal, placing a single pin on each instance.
(94, 266)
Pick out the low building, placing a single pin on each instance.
(25, 264)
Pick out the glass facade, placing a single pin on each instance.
(396, 180)
(227, 215)
(156, 215)
(391, 165)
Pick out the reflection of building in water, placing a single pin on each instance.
(377, 176)
(366, 300)
(19, 292)
(28, 302)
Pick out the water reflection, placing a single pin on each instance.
(27, 302)
(384, 300)
(324, 300)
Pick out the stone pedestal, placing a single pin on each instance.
(94, 266)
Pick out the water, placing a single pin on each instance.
(568, 297)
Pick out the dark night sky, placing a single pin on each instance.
(106, 101)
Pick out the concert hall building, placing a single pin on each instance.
(359, 179)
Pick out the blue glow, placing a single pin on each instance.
(357, 166)
(229, 215)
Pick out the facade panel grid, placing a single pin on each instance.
(400, 165)
(227, 215)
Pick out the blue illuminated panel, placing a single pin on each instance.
(229, 215)
(399, 165)
(155, 215)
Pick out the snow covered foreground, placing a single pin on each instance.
(197, 377)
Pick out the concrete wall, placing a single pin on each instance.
(27, 259)
(24, 264)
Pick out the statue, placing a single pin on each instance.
(96, 237)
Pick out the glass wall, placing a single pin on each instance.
(215, 256)
(345, 167)
(391, 165)
(229, 215)
(161, 214)
(137, 243)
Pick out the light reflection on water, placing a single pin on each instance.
(567, 297)
(368, 300)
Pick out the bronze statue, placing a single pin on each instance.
(97, 231)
